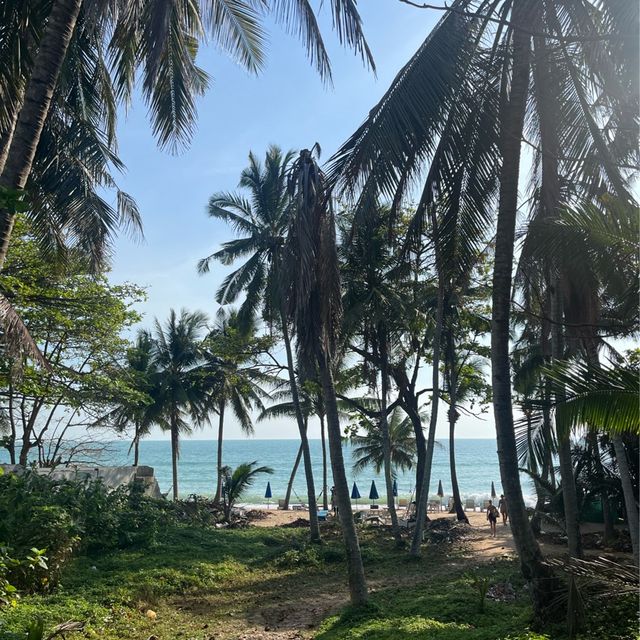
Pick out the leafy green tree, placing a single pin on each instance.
(180, 390)
(76, 319)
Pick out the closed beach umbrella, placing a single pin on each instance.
(395, 488)
(440, 490)
(373, 492)
(267, 494)
(355, 494)
(493, 491)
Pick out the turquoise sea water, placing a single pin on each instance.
(477, 466)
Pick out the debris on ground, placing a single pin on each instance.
(446, 530)
(501, 592)
(298, 523)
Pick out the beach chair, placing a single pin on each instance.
(469, 504)
(403, 503)
(485, 505)
(433, 505)
(281, 504)
(322, 515)
(450, 503)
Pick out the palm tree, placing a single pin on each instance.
(262, 220)
(312, 292)
(157, 44)
(237, 481)
(369, 447)
(228, 352)
(180, 389)
(456, 96)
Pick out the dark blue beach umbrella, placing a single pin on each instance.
(373, 492)
(395, 488)
(267, 493)
(355, 494)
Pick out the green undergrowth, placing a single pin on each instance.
(204, 583)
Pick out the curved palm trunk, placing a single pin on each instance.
(218, 495)
(37, 100)
(7, 135)
(325, 497)
(314, 525)
(386, 439)
(629, 499)
(136, 450)
(512, 121)
(292, 477)
(422, 497)
(357, 581)
(175, 449)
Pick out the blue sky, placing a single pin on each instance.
(288, 105)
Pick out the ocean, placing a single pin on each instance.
(476, 461)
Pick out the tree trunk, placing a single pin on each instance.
(292, 477)
(136, 450)
(421, 503)
(627, 490)
(453, 418)
(37, 100)
(386, 438)
(569, 493)
(174, 453)
(512, 122)
(7, 134)
(218, 495)
(325, 497)
(357, 581)
(314, 525)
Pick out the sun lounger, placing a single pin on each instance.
(322, 515)
(403, 503)
(485, 505)
(469, 504)
(281, 504)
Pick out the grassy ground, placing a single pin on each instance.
(268, 583)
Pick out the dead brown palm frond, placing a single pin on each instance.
(16, 336)
(311, 273)
(603, 576)
(65, 627)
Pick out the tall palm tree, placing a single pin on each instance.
(369, 447)
(312, 281)
(151, 41)
(455, 91)
(181, 392)
(229, 352)
(263, 220)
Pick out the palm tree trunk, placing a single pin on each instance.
(357, 581)
(512, 122)
(136, 450)
(386, 439)
(292, 477)
(221, 409)
(453, 418)
(569, 493)
(421, 503)
(629, 499)
(175, 444)
(325, 497)
(314, 525)
(7, 134)
(37, 100)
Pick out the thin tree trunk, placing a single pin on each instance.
(174, 453)
(136, 450)
(453, 418)
(37, 100)
(627, 490)
(512, 122)
(218, 495)
(292, 477)
(386, 439)
(421, 505)
(357, 581)
(569, 493)
(314, 525)
(7, 134)
(325, 497)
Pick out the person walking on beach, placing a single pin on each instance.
(502, 506)
(492, 517)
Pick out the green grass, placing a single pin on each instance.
(202, 582)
